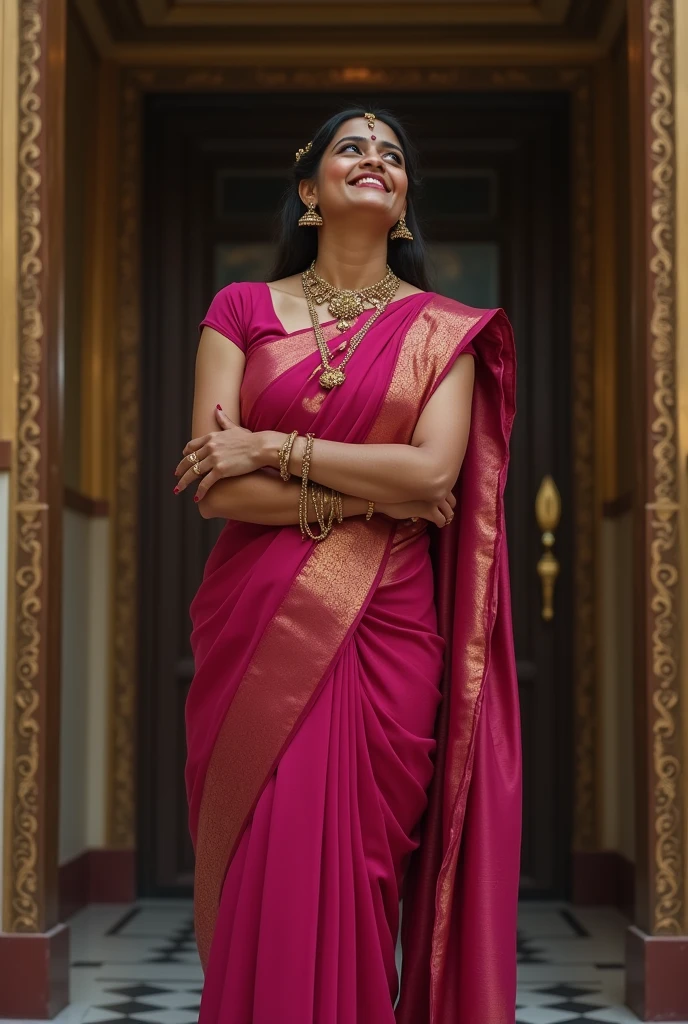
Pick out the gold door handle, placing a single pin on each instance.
(548, 514)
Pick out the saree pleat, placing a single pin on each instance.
(309, 911)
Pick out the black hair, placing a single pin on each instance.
(297, 247)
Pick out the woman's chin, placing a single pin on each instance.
(371, 204)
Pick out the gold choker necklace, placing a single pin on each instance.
(347, 305)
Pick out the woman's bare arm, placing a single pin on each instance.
(424, 470)
(389, 474)
(263, 497)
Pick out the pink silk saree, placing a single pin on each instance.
(353, 721)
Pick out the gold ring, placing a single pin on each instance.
(192, 457)
(197, 469)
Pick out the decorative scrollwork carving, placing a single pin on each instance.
(664, 521)
(23, 913)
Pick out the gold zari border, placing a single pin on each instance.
(282, 676)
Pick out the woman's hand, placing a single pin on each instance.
(438, 512)
(230, 451)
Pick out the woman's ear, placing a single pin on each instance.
(308, 192)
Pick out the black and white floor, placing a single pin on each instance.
(139, 963)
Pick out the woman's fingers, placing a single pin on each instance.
(202, 453)
(205, 465)
(223, 419)
(206, 483)
(195, 443)
(446, 511)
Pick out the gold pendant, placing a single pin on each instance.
(332, 377)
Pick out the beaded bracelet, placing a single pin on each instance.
(319, 499)
(303, 496)
(284, 455)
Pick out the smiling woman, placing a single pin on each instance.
(330, 626)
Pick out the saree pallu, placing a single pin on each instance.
(321, 778)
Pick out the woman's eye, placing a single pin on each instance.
(352, 145)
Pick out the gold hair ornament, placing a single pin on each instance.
(302, 152)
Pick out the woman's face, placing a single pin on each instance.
(359, 174)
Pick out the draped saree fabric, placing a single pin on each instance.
(352, 724)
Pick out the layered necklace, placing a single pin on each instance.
(345, 305)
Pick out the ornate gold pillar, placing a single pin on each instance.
(657, 945)
(34, 948)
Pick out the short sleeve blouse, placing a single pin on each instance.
(243, 311)
(230, 313)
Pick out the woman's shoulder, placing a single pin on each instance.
(232, 311)
(448, 304)
(238, 289)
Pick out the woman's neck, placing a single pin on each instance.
(351, 260)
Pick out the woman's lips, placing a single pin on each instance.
(369, 183)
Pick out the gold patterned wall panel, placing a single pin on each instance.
(135, 84)
(662, 524)
(32, 724)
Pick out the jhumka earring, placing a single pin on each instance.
(402, 230)
(310, 219)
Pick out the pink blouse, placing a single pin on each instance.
(245, 314)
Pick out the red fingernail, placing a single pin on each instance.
(176, 490)
(218, 406)
(196, 498)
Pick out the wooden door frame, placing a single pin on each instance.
(135, 84)
(32, 753)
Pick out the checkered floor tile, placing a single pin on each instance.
(140, 963)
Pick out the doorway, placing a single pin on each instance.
(495, 209)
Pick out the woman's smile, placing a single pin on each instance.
(370, 181)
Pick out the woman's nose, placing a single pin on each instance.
(373, 160)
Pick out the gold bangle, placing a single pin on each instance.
(319, 506)
(338, 504)
(285, 454)
(371, 509)
(303, 495)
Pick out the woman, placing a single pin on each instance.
(347, 685)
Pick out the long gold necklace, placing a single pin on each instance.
(347, 305)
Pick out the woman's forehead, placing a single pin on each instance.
(359, 126)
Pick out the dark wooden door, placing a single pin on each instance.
(495, 208)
